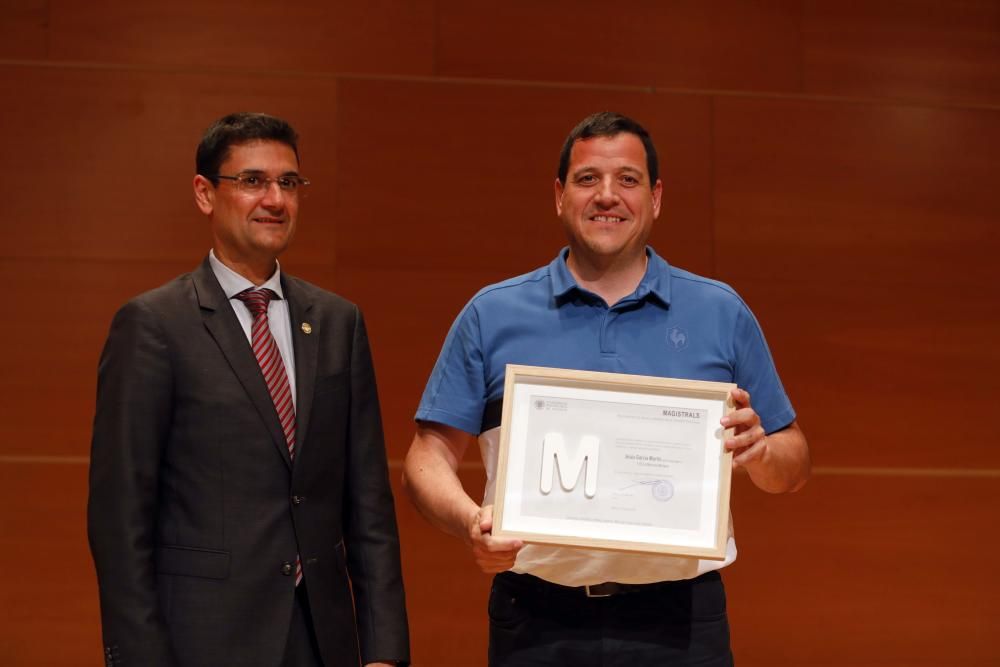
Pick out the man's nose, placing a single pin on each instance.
(607, 192)
(274, 196)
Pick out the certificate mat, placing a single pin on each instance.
(614, 461)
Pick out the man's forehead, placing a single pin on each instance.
(623, 151)
(262, 155)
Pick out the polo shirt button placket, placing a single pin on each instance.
(607, 334)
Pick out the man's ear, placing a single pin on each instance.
(657, 198)
(204, 194)
(559, 193)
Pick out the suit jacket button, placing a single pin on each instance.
(287, 569)
(298, 500)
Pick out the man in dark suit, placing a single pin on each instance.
(240, 511)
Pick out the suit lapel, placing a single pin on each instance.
(306, 349)
(221, 322)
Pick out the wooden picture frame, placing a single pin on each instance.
(614, 461)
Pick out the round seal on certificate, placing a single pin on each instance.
(663, 490)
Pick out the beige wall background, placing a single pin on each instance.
(835, 162)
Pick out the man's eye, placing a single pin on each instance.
(251, 179)
(630, 180)
(287, 183)
(587, 178)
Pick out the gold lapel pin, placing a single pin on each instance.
(307, 328)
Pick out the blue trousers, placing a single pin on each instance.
(534, 623)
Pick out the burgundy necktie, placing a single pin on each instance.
(273, 368)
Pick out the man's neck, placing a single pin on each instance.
(612, 280)
(257, 272)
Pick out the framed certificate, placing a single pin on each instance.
(614, 461)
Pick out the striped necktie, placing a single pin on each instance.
(273, 368)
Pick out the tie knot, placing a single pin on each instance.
(256, 300)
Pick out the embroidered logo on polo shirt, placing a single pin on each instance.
(677, 338)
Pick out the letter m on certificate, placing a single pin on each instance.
(556, 455)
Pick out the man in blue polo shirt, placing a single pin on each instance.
(607, 302)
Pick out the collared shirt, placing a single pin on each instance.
(277, 312)
(675, 324)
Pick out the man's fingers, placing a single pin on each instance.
(499, 545)
(741, 398)
(495, 554)
(750, 454)
(486, 518)
(741, 419)
(481, 524)
(492, 554)
(484, 553)
(493, 567)
(746, 438)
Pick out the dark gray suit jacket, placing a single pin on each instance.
(196, 511)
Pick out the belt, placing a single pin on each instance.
(607, 589)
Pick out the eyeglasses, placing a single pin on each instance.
(257, 183)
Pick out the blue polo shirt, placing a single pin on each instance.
(676, 324)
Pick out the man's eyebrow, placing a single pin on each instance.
(625, 168)
(262, 172)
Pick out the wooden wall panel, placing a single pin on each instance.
(105, 158)
(884, 375)
(386, 36)
(64, 309)
(869, 194)
(446, 594)
(408, 313)
(879, 570)
(720, 45)
(450, 175)
(48, 592)
(909, 49)
(22, 29)
(864, 238)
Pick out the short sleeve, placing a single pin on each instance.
(456, 391)
(756, 372)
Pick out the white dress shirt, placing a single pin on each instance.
(277, 312)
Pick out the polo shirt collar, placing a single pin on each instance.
(656, 280)
(563, 281)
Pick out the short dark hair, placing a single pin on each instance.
(236, 129)
(609, 124)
